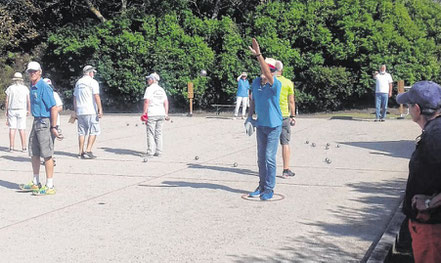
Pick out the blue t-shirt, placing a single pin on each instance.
(266, 103)
(242, 88)
(42, 99)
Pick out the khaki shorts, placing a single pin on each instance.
(88, 125)
(41, 140)
(285, 135)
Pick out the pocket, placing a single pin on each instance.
(41, 125)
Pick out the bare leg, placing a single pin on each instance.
(49, 166)
(285, 156)
(23, 138)
(36, 164)
(90, 142)
(80, 144)
(11, 138)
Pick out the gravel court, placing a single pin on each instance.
(175, 208)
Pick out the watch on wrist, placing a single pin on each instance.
(54, 127)
(292, 116)
(427, 203)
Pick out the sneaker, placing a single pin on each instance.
(86, 155)
(382, 120)
(287, 173)
(29, 187)
(376, 120)
(92, 156)
(157, 154)
(256, 193)
(267, 195)
(44, 191)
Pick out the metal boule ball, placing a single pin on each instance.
(136, 125)
(338, 145)
(313, 144)
(307, 142)
(203, 73)
(127, 124)
(328, 144)
(171, 121)
(145, 160)
(327, 148)
(196, 157)
(235, 164)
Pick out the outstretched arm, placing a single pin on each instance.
(255, 49)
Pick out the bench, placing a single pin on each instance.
(220, 106)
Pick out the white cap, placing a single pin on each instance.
(279, 65)
(153, 76)
(48, 81)
(88, 69)
(33, 65)
(17, 76)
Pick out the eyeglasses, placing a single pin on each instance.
(30, 72)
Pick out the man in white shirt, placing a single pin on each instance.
(88, 109)
(156, 108)
(383, 91)
(17, 107)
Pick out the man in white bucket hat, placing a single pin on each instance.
(17, 107)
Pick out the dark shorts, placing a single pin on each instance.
(285, 136)
(41, 140)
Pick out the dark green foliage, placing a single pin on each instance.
(329, 47)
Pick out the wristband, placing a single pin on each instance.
(258, 55)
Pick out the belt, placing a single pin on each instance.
(16, 109)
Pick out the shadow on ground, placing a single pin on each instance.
(197, 186)
(16, 158)
(9, 185)
(400, 149)
(69, 154)
(122, 151)
(223, 169)
(380, 200)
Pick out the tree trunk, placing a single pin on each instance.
(95, 11)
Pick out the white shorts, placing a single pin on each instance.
(17, 119)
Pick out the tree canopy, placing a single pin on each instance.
(329, 48)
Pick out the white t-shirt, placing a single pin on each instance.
(58, 102)
(156, 96)
(85, 88)
(17, 97)
(382, 82)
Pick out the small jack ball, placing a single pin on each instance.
(136, 125)
(196, 157)
(127, 124)
(313, 144)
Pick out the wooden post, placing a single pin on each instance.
(401, 90)
(190, 96)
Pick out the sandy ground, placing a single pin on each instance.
(174, 208)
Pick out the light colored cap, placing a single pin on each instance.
(279, 65)
(33, 65)
(153, 76)
(17, 76)
(271, 63)
(88, 69)
(244, 74)
(48, 81)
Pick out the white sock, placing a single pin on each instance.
(36, 179)
(50, 182)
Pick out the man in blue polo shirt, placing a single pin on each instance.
(242, 94)
(265, 102)
(44, 131)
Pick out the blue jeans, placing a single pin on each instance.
(381, 100)
(267, 143)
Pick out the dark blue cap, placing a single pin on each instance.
(427, 94)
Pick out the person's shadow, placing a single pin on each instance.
(9, 185)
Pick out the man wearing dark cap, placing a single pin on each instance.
(422, 201)
(265, 102)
